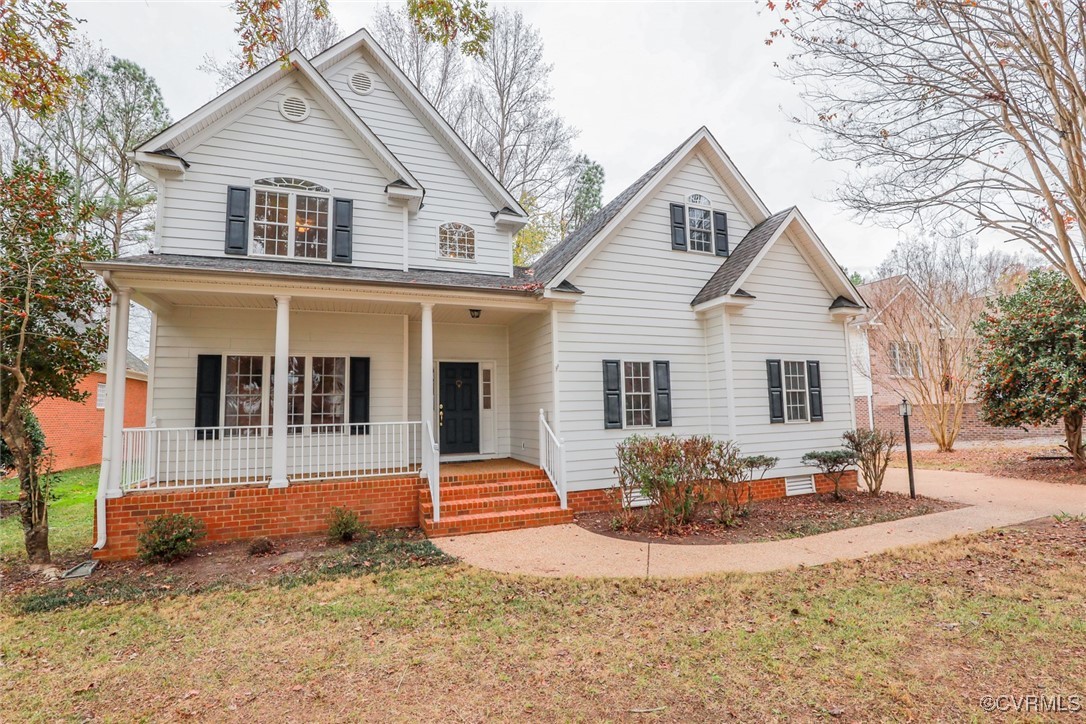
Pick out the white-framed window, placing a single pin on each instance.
(290, 218)
(100, 397)
(488, 388)
(316, 389)
(904, 358)
(699, 223)
(456, 241)
(637, 393)
(795, 391)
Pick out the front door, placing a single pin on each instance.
(458, 411)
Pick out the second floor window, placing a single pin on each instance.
(290, 218)
(905, 359)
(456, 241)
(699, 222)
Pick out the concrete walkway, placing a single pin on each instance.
(568, 550)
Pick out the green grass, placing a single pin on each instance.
(71, 514)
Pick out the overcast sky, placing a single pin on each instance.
(635, 77)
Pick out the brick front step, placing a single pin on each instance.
(494, 521)
(493, 477)
(495, 503)
(464, 491)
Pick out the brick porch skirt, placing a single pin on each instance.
(251, 511)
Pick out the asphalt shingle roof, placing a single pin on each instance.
(520, 283)
(740, 260)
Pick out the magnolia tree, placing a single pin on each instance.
(50, 333)
(1033, 358)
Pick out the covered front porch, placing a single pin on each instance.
(380, 383)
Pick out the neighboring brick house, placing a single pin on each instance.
(73, 430)
(881, 363)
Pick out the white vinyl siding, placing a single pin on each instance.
(788, 320)
(530, 371)
(260, 144)
(636, 306)
(451, 192)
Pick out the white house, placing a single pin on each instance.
(321, 224)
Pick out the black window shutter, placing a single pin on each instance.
(342, 224)
(208, 388)
(814, 389)
(237, 220)
(678, 227)
(612, 394)
(720, 232)
(776, 390)
(360, 395)
(661, 372)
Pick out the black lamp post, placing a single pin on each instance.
(906, 409)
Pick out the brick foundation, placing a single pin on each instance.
(973, 428)
(251, 511)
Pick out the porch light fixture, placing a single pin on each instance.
(475, 313)
(906, 409)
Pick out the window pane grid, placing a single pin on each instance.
(295, 393)
(701, 229)
(328, 386)
(456, 241)
(637, 381)
(487, 389)
(795, 390)
(244, 393)
(311, 227)
(271, 230)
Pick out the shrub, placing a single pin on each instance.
(344, 525)
(668, 470)
(261, 546)
(169, 537)
(872, 450)
(728, 478)
(833, 464)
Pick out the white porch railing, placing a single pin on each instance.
(186, 457)
(431, 468)
(552, 457)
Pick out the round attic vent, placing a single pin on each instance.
(361, 83)
(294, 108)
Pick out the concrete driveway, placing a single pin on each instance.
(568, 550)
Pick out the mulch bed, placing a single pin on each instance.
(776, 519)
(1046, 463)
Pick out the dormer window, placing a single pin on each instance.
(699, 222)
(456, 241)
(290, 218)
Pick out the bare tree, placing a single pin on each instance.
(296, 25)
(953, 108)
(437, 70)
(920, 336)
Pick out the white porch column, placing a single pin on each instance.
(107, 415)
(426, 376)
(115, 388)
(279, 402)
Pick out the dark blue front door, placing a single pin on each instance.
(458, 414)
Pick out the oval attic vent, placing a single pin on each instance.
(294, 108)
(361, 83)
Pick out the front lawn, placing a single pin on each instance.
(1049, 463)
(921, 634)
(71, 516)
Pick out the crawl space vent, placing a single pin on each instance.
(294, 108)
(361, 83)
(799, 485)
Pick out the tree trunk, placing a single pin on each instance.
(33, 508)
(1072, 430)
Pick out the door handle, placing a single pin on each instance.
(441, 415)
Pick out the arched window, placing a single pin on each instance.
(290, 218)
(699, 221)
(456, 241)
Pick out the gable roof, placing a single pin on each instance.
(165, 143)
(886, 291)
(728, 273)
(735, 270)
(567, 254)
(362, 39)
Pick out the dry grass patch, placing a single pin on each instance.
(1048, 463)
(916, 635)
